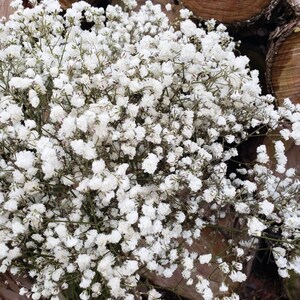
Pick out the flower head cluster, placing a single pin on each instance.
(115, 144)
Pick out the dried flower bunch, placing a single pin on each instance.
(115, 144)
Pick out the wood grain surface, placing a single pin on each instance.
(5, 9)
(227, 11)
(285, 73)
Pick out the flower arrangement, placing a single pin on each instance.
(115, 144)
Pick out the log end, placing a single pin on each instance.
(228, 11)
(283, 64)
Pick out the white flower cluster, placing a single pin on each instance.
(115, 144)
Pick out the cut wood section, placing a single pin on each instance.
(5, 9)
(230, 11)
(283, 63)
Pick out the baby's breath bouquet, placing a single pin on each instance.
(115, 144)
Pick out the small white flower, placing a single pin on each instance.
(188, 28)
(195, 184)
(150, 163)
(33, 98)
(255, 227)
(57, 113)
(168, 7)
(224, 267)
(3, 250)
(180, 216)
(20, 83)
(106, 263)
(188, 53)
(262, 156)
(281, 262)
(278, 252)
(242, 208)
(283, 273)
(1, 197)
(77, 101)
(209, 195)
(237, 276)
(185, 13)
(98, 166)
(14, 253)
(84, 295)
(203, 288)
(280, 156)
(114, 285)
(96, 288)
(86, 150)
(153, 294)
(131, 266)
(39, 208)
(83, 261)
(56, 275)
(11, 205)
(223, 287)
(114, 237)
(18, 228)
(266, 207)
(250, 186)
(25, 159)
(205, 258)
